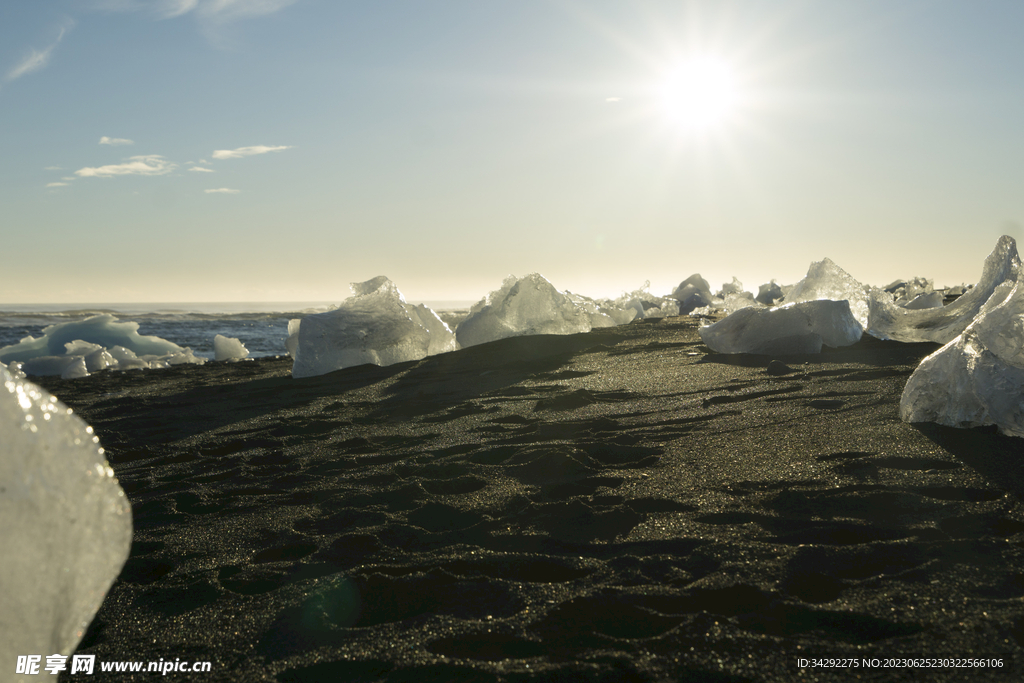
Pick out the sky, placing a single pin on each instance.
(277, 150)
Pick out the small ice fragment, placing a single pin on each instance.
(228, 348)
(924, 300)
(292, 342)
(693, 292)
(643, 304)
(75, 369)
(768, 293)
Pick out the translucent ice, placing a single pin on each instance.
(888, 321)
(521, 306)
(768, 293)
(924, 300)
(228, 348)
(14, 369)
(104, 330)
(644, 304)
(292, 342)
(977, 378)
(826, 280)
(375, 325)
(793, 328)
(94, 344)
(693, 292)
(67, 525)
(734, 287)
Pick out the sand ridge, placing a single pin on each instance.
(621, 505)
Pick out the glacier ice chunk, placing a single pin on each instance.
(228, 348)
(104, 330)
(375, 325)
(888, 321)
(522, 306)
(768, 293)
(291, 344)
(67, 526)
(977, 378)
(789, 329)
(643, 304)
(826, 280)
(923, 300)
(75, 369)
(693, 292)
(96, 343)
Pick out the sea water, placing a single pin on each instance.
(261, 327)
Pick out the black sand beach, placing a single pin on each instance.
(621, 505)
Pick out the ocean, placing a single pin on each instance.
(261, 327)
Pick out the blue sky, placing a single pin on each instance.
(271, 150)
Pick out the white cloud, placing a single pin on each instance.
(613, 99)
(37, 59)
(230, 10)
(152, 164)
(56, 184)
(168, 9)
(222, 190)
(246, 151)
(215, 10)
(200, 169)
(115, 141)
(53, 168)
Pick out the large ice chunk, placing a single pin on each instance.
(941, 325)
(521, 306)
(826, 280)
(789, 329)
(375, 325)
(104, 330)
(77, 348)
(228, 348)
(977, 378)
(67, 526)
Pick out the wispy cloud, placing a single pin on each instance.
(37, 59)
(215, 10)
(168, 9)
(246, 151)
(222, 190)
(53, 168)
(231, 10)
(200, 169)
(115, 141)
(56, 184)
(152, 164)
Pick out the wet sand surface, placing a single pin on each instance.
(622, 505)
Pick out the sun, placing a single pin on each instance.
(699, 94)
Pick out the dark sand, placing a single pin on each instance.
(621, 505)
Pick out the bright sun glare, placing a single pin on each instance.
(699, 94)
